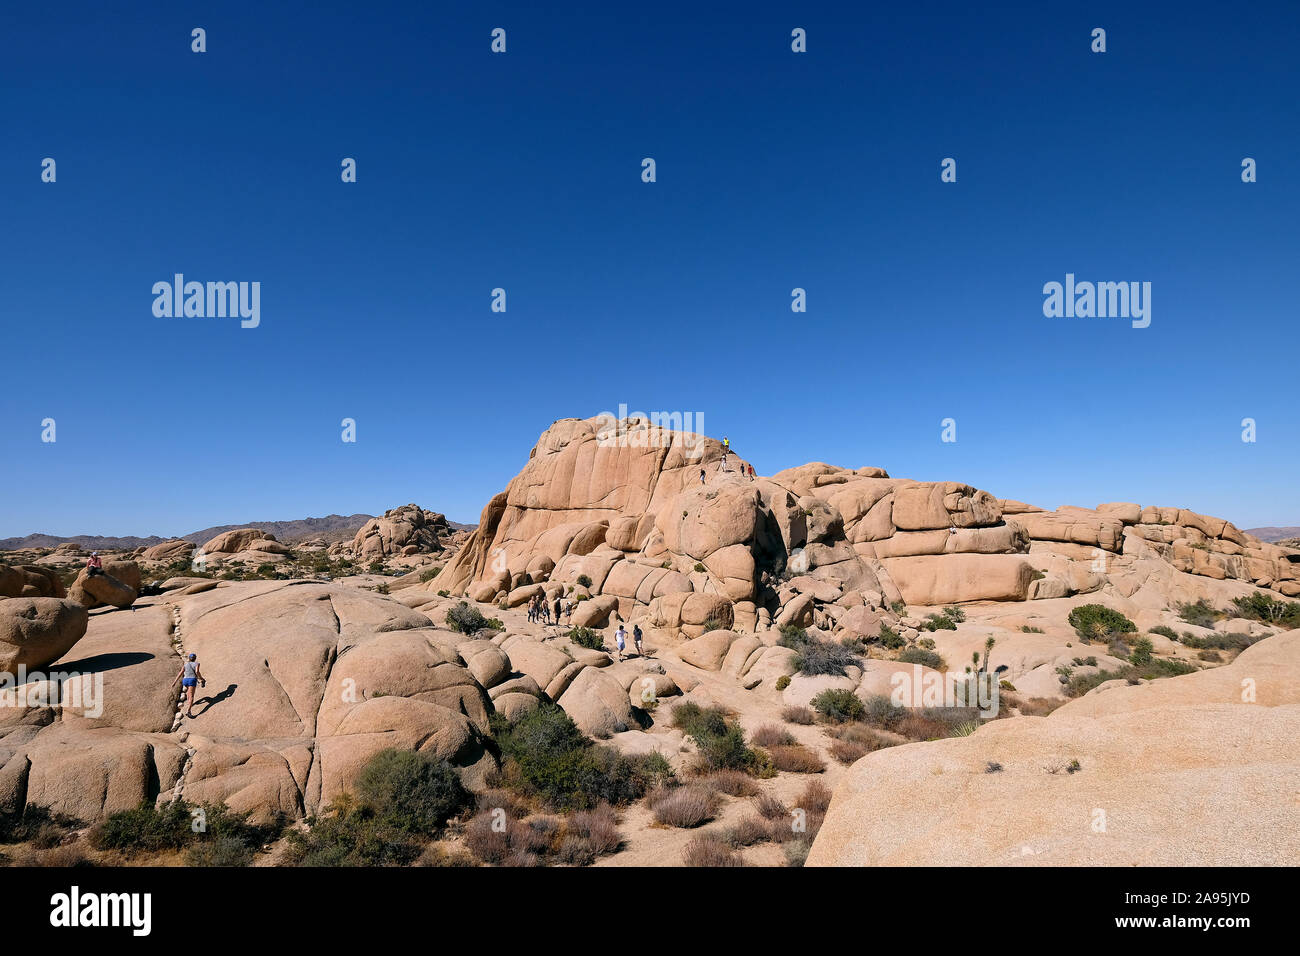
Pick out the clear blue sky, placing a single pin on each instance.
(522, 171)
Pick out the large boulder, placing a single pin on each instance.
(232, 542)
(35, 632)
(954, 578)
(29, 581)
(399, 529)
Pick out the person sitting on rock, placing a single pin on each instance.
(94, 565)
(189, 677)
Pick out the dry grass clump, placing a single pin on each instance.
(769, 735)
(710, 850)
(687, 806)
(747, 832)
(576, 840)
(849, 751)
(796, 759)
(770, 808)
(799, 715)
(734, 783)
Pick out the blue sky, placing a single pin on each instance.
(775, 170)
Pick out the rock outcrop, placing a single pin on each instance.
(407, 530)
(1176, 772)
(35, 632)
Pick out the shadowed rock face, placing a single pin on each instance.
(1177, 772)
(628, 513)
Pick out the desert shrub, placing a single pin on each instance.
(467, 619)
(848, 751)
(824, 657)
(1026, 629)
(38, 825)
(890, 638)
(1213, 656)
(412, 791)
(584, 581)
(770, 735)
(444, 593)
(1235, 641)
(708, 850)
(796, 758)
(898, 607)
(1200, 613)
(1155, 668)
(1089, 661)
(1033, 706)
(838, 704)
(1259, 606)
(879, 711)
(938, 622)
(692, 719)
(712, 624)
(747, 832)
(435, 855)
(798, 715)
(719, 740)
(428, 574)
(926, 644)
(955, 614)
(733, 783)
(770, 808)
(549, 758)
(793, 636)
(349, 834)
(598, 827)
(588, 638)
(1119, 649)
(816, 797)
(1164, 630)
(796, 851)
(700, 568)
(146, 829)
(686, 806)
(1096, 622)
(783, 682)
(1142, 648)
(918, 655)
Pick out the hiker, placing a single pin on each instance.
(568, 612)
(751, 472)
(94, 565)
(189, 677)
(636, 640)
(532, 609)
(557, 608)
(620, 641)
(726, 444)
(545, 608)
(701, 476)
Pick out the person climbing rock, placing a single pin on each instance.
(190, 677)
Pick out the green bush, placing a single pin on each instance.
(1235, 641)
(468, 619)
(918, 655)
(411, 791)
(588, 638)
(548, 757)
(584, 581)
(793, 636)
(890, 638)
(1157, 667)
(782, 682)
(35, 823)
(1164, 630)
(719, 740)
(838, 705)
(212, 834)
(1096, 622)
(1201, 613)
(428, 574)
(699, 567)
(350, 834)
(880, 711)
(1259, 606)
(1142, 648)
(938, 622)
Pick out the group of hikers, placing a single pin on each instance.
(746, 471)
(540, 610)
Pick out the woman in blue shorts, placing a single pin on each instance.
(190, 676)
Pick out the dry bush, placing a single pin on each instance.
(770, 808)
(747, 832)
(816, 797)
(920, 727)
(709, 850)
(498, 797)
(799, 715)
(796, 759)
(687, 806)
(734, 783)
(435, 854)
(849, 751)
(598, 827)
(522, 858)
(1034, 706)
(489, 845)
(770, 736)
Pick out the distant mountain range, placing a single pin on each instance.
(1274, 534)
(331, 528)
